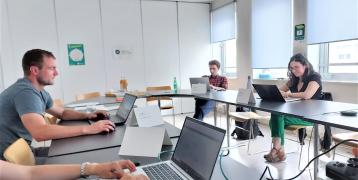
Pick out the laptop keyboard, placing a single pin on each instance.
(161, 171)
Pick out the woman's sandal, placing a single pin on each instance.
(275, 155)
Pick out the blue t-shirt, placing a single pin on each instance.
(19, 99)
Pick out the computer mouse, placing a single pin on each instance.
(348, 113)
(136, 164)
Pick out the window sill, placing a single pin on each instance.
(324, 81)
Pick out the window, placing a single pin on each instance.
(336, 60)
(343, 57)
(225, 52)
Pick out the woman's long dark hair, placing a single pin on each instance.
(293, 80)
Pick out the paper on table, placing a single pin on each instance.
(97, 107)
(148, 116)
(82, 104)
(145, 142)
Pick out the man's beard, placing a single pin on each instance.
(43, 82)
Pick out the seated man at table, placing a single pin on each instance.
(23, 104)
(217, 82)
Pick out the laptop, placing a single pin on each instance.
(201, 80)
(271, 93)
(120, 117)
(194, 156)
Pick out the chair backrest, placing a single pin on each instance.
(50, 119)
(327, 96)
(87, 96)
(58, 102)
(158, 88)
(19, 152)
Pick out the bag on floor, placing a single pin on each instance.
(242, 129)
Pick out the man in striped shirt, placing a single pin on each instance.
(217, 82)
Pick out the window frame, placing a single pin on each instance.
(324, 67)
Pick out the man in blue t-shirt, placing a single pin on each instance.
(23, 104)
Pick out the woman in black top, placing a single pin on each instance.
(303, 83)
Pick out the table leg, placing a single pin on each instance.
(227, 124)
(158, 98)
(215, 114)
(315, 151)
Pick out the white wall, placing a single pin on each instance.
(161, 38)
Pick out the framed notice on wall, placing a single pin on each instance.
(300, 32)
(76, 55)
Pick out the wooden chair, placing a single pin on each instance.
(52, 119)
(337, 138)
(164, 98)
(19, 152)
(87, 96)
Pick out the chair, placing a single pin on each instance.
(325, 96)
(246, 116)
(87, 96)
(337, 138)
(52, 119)
(301, 139)
(19, 152)
(159, 99)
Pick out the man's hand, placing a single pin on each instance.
(97, 113)
(113, 169)
(100, 126)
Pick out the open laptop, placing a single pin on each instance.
(194, 156)
(122, 114)
(200, 80)
(271, 93)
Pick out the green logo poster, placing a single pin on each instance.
(76, 55)
(300, 32)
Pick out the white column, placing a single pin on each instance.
(244, 56)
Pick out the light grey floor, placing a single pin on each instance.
(261, 146)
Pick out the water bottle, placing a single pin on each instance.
(249, 83)
(175, 85)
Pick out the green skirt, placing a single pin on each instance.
(278, 123)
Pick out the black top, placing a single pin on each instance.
(312, 77)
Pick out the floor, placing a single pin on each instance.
(261, 146)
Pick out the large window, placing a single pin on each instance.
(335, 61)
(225, 52)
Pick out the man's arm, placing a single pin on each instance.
(71, 171)
(41, 131)
(70, 114)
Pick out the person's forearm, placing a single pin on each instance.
(301, 95)
(48, 132)
(69, 114)
(55, 172)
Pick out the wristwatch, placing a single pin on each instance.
(83, 170)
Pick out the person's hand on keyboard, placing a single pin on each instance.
(98, 115)
(116, 169)
(100, 126)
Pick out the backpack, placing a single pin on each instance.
(242, 129)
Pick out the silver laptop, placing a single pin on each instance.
(201, 80)
(121, 115)
(194, 156)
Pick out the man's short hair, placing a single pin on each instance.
(214, 62)
(34, 57)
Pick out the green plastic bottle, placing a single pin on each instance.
(175, 85)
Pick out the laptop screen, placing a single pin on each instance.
(198, 148)
(126, 106)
